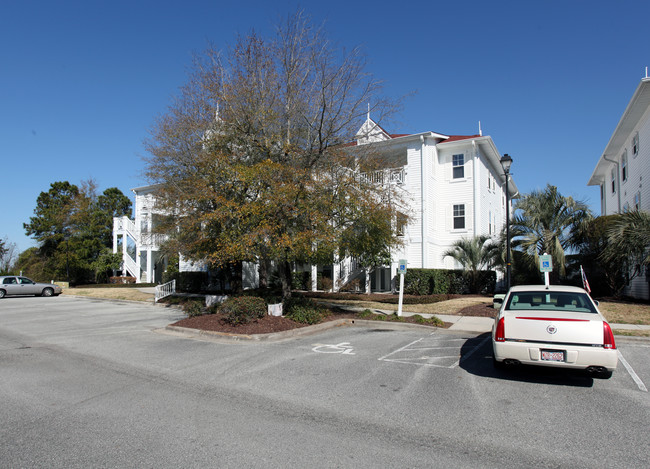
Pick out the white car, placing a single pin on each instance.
(11, 285)
(558, 326)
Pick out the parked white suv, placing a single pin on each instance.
(11, 285)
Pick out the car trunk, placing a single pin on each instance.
(549, 326)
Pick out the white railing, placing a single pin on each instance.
(349, 269)
(125, 224)
(131, 266)
(166, 289)
(152, 239)
(385, 176)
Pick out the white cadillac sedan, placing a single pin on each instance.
(558, 326)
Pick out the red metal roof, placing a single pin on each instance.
(454, 138)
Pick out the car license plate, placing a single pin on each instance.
(553, 355)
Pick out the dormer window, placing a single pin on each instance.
(458, 162)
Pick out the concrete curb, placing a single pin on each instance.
(287, 335)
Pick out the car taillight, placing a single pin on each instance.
(500, 334)
(608, 337)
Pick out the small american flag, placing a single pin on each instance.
(585, 282)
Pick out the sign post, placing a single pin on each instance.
(546, 266)
(402, 272)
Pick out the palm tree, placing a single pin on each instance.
(475, 255)
(628, 237)
(547, 222)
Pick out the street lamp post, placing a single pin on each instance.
(506, 162)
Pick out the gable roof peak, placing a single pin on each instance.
(371, 132)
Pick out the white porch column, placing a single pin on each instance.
(137, 263)
(124, 252)
(393, 276)
(149, 267)
(314, 277)
(336, 266)
(368, 282)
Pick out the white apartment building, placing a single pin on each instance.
(624, 166)
(454, 186)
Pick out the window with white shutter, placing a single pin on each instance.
(459, 217)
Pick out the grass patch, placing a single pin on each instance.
(625, 312)
(631, 333)
(126, 293)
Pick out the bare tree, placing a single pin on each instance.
(253, 157)
(8, 255)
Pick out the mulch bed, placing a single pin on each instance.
(483, 310)
(265, 325)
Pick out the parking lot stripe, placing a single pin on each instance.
(399, 350)
(469, 354)
(632, 373)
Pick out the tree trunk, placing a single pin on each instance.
(236, 277)
(285, 277)
(263, 271)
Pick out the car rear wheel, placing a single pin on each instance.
(2, 293)
(47, 292)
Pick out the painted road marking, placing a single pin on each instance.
(433, 351)
(632, 373)
(468, 354)
(342, 348)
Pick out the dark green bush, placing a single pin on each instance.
(301, 281)
(193, 309)
(445, 281)
(365, 314)
(304, 310)
(434, 321)
(242, 309)
(380, 297)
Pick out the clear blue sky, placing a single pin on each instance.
(82, 81)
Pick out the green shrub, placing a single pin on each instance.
(242, 309)
(379, 297)
(301, 281)
(434, 321)
(365, 314)
(193, 309)
(304, 311)
(417, 282)
(445, 282)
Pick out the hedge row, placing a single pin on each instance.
(419, 282)
(443, 281)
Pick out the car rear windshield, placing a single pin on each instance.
(550, 301)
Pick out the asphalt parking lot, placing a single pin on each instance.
(90, 382)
